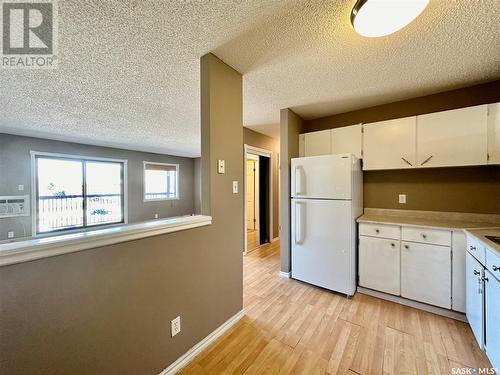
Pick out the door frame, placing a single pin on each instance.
(266, 153)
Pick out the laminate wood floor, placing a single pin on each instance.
(294, 328)
(253, 240)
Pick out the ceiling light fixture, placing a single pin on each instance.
(374, 18)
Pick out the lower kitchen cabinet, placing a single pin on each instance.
(379, 264)
(492, 288)
(474, 305)
(426, 273)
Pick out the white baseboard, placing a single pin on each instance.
(284, 274)
(184, 360)
(275, 239)
(417, 305)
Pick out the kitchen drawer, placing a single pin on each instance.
(476, 249)
(426, 235)
(380, 230)
(493, 263)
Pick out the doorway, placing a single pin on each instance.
(258, 199)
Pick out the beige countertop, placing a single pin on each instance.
(480, 235)
(431, 219)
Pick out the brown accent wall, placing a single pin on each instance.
(291, 125)
(252, 138)
(471, 189)
(108, 310)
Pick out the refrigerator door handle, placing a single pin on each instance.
(299, 233)
(298, 180)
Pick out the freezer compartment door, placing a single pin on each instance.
(327, 177)
(322, 244)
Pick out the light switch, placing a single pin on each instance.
(235, 187)
(221, 166)
(402, 198)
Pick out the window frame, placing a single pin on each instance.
(82, 158)
(177, 191)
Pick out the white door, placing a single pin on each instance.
(347, 140)
(389, 144)
(452, 138)
(317, 143)
(494, 133)
(459, 248)
(492, 287)
(327, 177)
(379, 264)
(321, 244)
(426, 273)
(474, 302)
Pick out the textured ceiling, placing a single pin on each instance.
(128, 74)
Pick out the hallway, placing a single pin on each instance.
(292, 327)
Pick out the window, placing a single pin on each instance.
(161, 181)
(73, 192)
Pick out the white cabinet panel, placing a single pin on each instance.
(458, 270)
(492, 287)
(317, 143)
(494, 133)
(427, 235)
(474, 307)
(379, 264)
(347, 140)
(302, 140)
(452, 138)
(426, 273)
(389, 144)
(380, 230)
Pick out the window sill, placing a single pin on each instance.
(38, 248)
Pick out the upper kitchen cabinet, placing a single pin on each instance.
(494, 133)
(390, 144)
(344, 140)
(347, 140)
(453, 138)
(317, 143)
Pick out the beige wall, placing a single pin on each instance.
(108, 310)
(291, 125)
(444, 189)
(255, 139)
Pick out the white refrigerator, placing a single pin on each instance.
(326, 200)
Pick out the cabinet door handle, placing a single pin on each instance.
(424, 236)
(473, 248)
(407, 162)
(393, 245)
(407, 247)
(477, 272)
(377, 231)
(485, 278)
(495, 268)
(427, 160)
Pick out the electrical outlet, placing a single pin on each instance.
(175, 326)
(402, 198)
(10, 234)
(156, 216)
(235, 187)
(20, 187)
